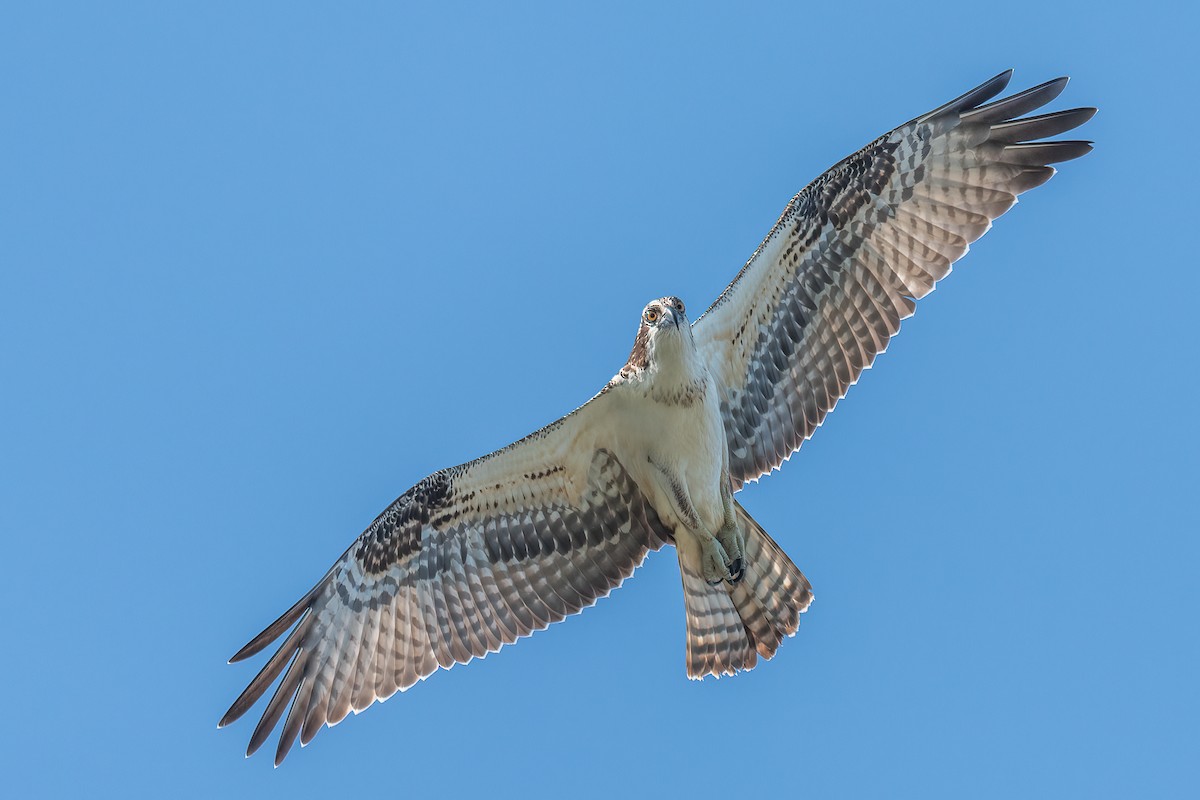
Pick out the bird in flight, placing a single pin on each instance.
(476, 556)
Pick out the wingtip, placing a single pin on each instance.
(972, 99)
(992, 87)
(241, 655)
(230, 716)
(254, 746)
(1010, 108)
(1073, 150)
(1051, 89)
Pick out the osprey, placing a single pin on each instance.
(476, 556)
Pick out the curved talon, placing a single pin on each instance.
(733, 542)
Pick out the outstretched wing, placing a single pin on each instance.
(827, 288)
(468, 560)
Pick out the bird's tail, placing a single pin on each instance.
(729, 627)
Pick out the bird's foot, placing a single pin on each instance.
(734, 544)
(714, 561)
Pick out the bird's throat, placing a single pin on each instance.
(676, 375)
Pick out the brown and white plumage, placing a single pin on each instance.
(476, 556)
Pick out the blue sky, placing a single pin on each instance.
(262, 268)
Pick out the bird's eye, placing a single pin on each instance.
(651, 315)
(679, 305)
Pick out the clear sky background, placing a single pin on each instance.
(264, 266)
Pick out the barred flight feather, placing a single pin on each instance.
(826, 290)
(413, 595)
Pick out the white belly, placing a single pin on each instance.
(684, 441)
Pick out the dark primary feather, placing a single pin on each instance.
(827, 289)
(1015, 105)
(1030, 128)
(974, 98)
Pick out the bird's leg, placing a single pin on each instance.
(731, 538)
(714, 561)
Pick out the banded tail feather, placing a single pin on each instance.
(730, 626)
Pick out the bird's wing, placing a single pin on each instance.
(468, 560)
(826, 290)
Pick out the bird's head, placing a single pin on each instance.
(664, 331)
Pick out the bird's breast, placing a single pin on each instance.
(684, 440)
